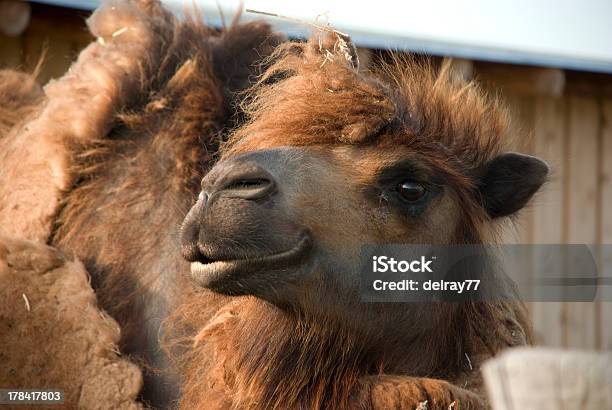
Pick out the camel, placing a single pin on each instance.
(103, 163)
(329, 160)
(135, 184)
(319, 159)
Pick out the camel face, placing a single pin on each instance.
(332, 160)
(288, 224)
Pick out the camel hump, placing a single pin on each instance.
(78, 108)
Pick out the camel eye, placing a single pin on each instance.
(411, 191)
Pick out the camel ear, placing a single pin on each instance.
(509, 181)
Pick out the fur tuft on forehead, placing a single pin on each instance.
(313, 94)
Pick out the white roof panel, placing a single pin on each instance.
(574, 34)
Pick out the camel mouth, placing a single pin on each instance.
(222, 275)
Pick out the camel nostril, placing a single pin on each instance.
(239, 178)
(246, 184)
(249, 186)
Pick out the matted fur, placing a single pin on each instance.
(134, 184)
(117, 147)
(254, 355)
(52, 334)
(320, 99)
(41, 133)
(78, 108)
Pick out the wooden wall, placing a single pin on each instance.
(566, 116)
(573, 133)
(58, 34)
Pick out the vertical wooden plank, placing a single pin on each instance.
(521, 110)
(33, 47)
(510, 234)
(521, 130)
(526, 116)
(582, 198)
(10, 52)
(59, 55)
(606, 222)
(549, 144)
(526, 123)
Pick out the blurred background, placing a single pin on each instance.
(550, 60)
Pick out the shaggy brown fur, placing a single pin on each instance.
(78, 108)
(252, 354)
(20, 96)
(134, 184)
(52, 334)
(122, 140)
(456, 125)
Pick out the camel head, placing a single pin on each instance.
(332, 159)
